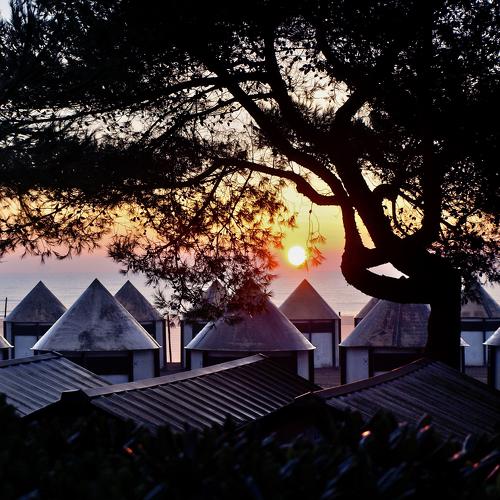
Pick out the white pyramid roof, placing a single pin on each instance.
(212, 296)
(214, 293)
(39, 306)
(136, 304)
(366, 308)
(390, 324)
(485, 307)
(307, 304)
(494, 339)
(96, 322)
(265, 331)
(4, 343)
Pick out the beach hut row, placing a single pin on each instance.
(119, 338)
(387, 335)
(101, 333)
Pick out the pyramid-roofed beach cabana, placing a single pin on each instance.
(319, 323)
(214, 293)
(480, 319)
(365, 310)
(390, 336)
(240, 334)
(5, 348)
(144, 312)
(192, 323)
(31, 318)
(98, 333)
(493, 346)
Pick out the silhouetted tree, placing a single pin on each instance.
(192, 116)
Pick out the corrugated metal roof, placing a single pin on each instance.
(494, 340)
(390, 324)
(266, 331)
(4, 343)
(30, 384)
(39, 306)
(136, 304)
(366, 308)
(305, 303)
(96, 322)
(245, 389)
(459, 405)
(485, 307)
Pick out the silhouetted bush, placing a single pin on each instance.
(100, 457)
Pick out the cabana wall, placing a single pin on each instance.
(146, 315)
(118, 367)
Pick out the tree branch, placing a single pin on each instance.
(280, 92)
(275, 134)
(431, 177)
(301, 184)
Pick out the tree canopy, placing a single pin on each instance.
(192, 117)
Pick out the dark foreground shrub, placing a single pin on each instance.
(99, 457)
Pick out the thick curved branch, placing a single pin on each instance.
(365, 257)
(343, 72)
(357, 259)
(402, 290)
(301, 184)
(350, 107)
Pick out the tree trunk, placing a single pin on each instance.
(443, 341)
(431, 281)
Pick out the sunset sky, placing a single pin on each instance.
(325, 219)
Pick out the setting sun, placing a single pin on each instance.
(297, 255)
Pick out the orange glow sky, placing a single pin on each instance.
(325, 219)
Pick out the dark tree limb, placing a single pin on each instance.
(301, 184)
